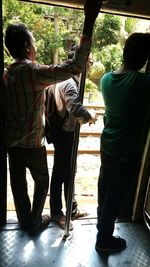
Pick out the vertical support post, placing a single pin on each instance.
(56, 26)
(3, 154)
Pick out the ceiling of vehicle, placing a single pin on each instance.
(134, 8)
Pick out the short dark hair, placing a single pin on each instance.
(15, 38)
(136, 50)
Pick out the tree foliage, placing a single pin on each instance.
(90, 90)
(111, 56)
(40, 20)
(107, 31)
(130, 24)
(96, 72)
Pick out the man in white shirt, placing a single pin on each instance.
(68, 106)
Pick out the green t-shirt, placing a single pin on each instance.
(127, 99)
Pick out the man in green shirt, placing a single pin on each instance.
(126, 94)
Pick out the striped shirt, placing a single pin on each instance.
(25, 82)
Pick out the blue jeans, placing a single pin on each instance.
(113, 183)
(61, 172)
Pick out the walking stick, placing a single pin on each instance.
(73, 160)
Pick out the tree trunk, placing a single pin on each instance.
(56, 25)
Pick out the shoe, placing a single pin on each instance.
(115, 244)
(60, 220)
(78, 214)
(25, 226)
(34, 229)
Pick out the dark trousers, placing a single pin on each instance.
(35, 160)
(114, 179)
(61, 172)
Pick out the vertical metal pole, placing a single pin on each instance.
(3, 154)
(73, 160)
(144, 169)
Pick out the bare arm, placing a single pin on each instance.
(91, 11)
(47, 75)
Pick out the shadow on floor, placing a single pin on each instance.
(48, 249)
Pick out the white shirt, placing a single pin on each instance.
(67, 99)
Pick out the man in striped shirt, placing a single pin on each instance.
(25, 82)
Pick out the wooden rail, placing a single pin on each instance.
(94, 107)
(50, 150)
(80, 151)
(99, 111)
(94, 134)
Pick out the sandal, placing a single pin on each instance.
(40, 226)
(44, 222)
(60, 220)
(78, 214)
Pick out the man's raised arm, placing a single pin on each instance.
(91, 11)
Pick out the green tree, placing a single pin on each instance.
(33, 16)
(40, 20)
(90, 90)
(97, 70)
(111, 57)
(107, 31)
(130, 24)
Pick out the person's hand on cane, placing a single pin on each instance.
(94, 118)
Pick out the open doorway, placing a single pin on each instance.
(86, 179)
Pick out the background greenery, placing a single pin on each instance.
(56, 28)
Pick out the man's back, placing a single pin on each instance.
(24, 106)
(126, 98)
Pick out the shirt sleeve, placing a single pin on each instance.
(70, 96)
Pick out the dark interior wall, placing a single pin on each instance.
(3, 164)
